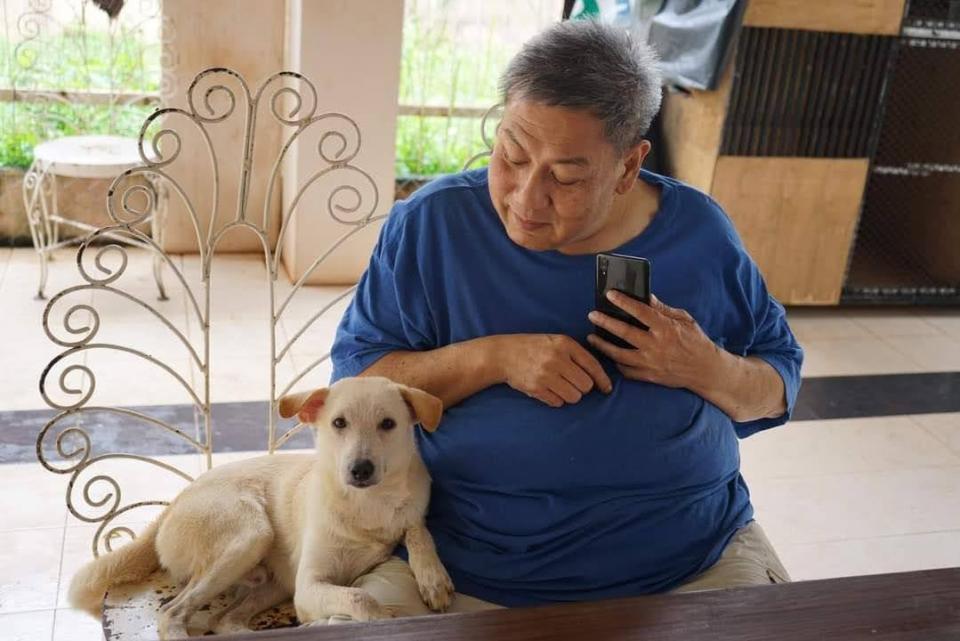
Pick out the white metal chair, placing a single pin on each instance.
(80, 157)
(65, 445)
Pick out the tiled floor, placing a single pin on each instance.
(837, 497)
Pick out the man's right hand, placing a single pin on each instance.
(551, 368)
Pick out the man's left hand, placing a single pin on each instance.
(673, 352)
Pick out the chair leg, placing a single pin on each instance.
(34, 201)
(54, 198)
(157, 223)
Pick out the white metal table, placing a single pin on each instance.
(81, 157)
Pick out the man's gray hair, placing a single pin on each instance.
(589, 65)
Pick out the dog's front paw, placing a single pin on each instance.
(436, 588)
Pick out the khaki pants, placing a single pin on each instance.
(748, 559)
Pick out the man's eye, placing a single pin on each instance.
(515, 163)
(565, 181)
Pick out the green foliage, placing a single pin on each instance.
(436, 69)
(79, 59)
(434, 145)
(24, 125)
(75, 60)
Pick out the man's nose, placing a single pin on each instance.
(531, 195)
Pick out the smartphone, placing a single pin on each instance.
(629, 275)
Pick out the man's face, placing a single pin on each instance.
(553, 175)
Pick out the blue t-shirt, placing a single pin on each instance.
(617, 495)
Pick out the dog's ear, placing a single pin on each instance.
(425, 408)
(306, 405)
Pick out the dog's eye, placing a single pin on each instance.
(339, 422)
(388, 424)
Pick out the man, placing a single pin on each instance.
(567, 468)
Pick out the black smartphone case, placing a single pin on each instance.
(633, 274)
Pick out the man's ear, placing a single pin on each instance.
(306, 405)
(425, 408)
(632, 161)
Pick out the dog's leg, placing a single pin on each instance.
(319, 601)
(261, 597)
(436, 588)
(240, 557)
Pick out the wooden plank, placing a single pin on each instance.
(796, 217)
(440, 111)
(913, 606)
(693, 129)
(153, 100)
(79, 97)
(847, 16)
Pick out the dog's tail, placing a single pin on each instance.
(134, 561)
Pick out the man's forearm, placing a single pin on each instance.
(744, 388)
(451, 373)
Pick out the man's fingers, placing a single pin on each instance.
(592, 366)
(619, 355)
(672, 312)
(547, 398)
(565, 390)
(646, 314)
(577, 376)
(633, 335)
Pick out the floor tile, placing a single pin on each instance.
(930, 353)
(863, 505)
(850, 356)
(874, 395)
(893, 322)
(29, 567)
(946, 320)
(75, 625)
(31, 497)
(815, 448)
(124, 379)
(27, 626)
(945, 427)
(22, 276)
(239, 379)
(77, 552)
(818, 324)
(5, 254)
(857, 557)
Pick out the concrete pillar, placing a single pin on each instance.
(248, 38)
(351, 52)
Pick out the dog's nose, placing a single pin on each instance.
(362, 471)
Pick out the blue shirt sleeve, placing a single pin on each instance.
(389, 311)
(772, 341)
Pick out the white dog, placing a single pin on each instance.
(301, 526)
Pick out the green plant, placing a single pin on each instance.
(438, 69)
(74, 60)
(24, 125)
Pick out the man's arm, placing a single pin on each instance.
(551, 368)
(745, 388)
(450, 373)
